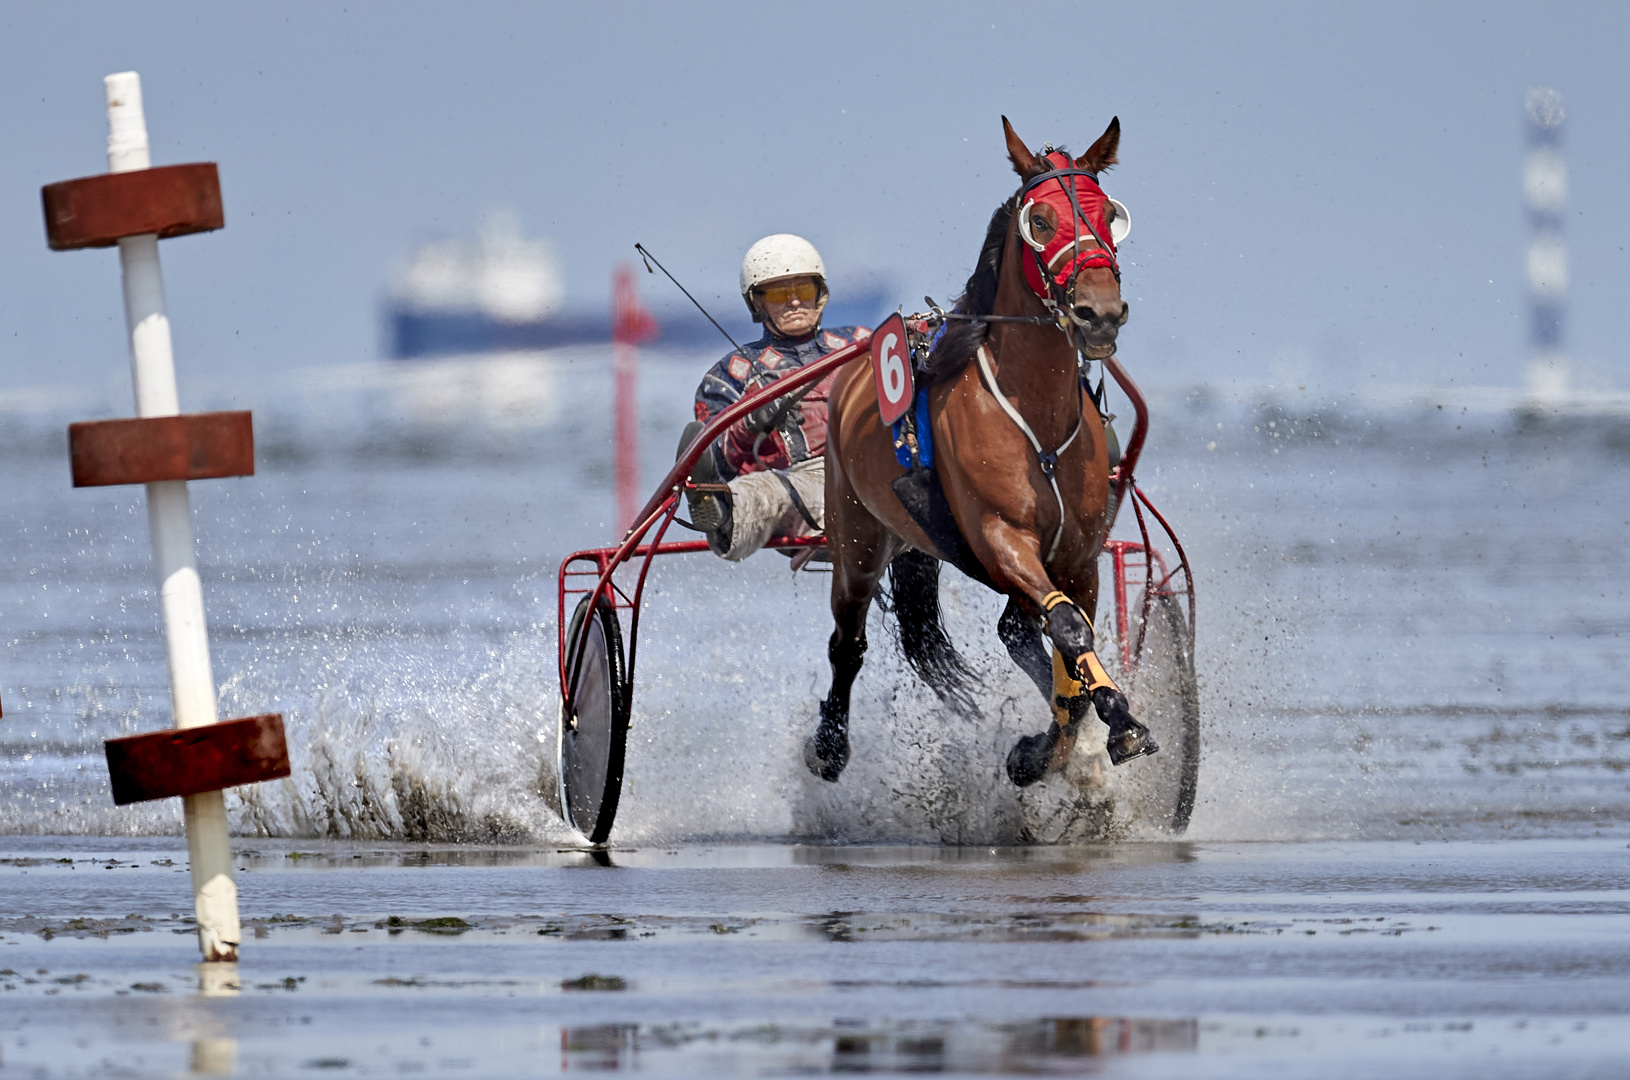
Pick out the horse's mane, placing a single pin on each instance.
(962, 338)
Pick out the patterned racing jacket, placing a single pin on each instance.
(802, 433)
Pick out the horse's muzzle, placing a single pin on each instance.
(1089, 318)
(1098, 329)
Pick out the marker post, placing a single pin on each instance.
(631, 324)
(133, 206)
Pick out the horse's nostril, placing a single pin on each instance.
(1086, 314)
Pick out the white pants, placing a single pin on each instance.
(761, 507)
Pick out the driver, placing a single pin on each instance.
(766, 475)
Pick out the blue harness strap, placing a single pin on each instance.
(917, 451)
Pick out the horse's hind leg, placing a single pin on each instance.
(827, 751)
(861, 550)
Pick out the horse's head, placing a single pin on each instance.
(1070, 229)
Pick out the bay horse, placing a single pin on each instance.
(1025, 476)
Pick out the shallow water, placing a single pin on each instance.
(1409, 626)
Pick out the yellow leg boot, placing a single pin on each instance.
(1034, 756)
(1128, 739)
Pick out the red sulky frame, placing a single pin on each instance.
(602, 564)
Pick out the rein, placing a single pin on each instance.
(939, 314)
(1038, 320)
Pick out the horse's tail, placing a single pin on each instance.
(914, 579)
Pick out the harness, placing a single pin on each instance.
(1048, 461)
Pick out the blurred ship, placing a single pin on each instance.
(502, 292)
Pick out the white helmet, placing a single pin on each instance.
(778, 256)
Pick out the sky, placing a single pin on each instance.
(1320, 193)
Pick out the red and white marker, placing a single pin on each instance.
(133, 206)
(891, 369)
(631, 324)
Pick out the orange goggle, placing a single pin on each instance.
(783, 294)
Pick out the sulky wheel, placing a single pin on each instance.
(594, 737)
(1165, 695)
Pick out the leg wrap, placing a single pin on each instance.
(1094, 671)
(1070, 699)
(1066, 624)
(1071, 631)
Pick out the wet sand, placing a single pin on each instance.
(1190, 959)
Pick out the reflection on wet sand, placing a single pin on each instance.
(851, 1045)
(215, 1055)
(1350, 960)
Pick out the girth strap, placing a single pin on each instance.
(1049, 462)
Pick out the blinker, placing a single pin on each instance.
(1091, 225)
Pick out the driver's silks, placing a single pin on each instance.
(1070, 702)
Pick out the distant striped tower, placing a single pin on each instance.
(1545, 189)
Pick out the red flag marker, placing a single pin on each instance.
(631, 324)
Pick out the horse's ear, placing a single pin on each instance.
(1101, 154)
(1023, 160)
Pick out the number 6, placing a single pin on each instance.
(895, 386)
(894, 370)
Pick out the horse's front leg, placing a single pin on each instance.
(1078, 676)
(1021, 635)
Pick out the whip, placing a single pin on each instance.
(650, 258)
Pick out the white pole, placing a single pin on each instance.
(169, 519)
(1545, 183)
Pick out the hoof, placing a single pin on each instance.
(1128, 739)
(1131, 741)
(1032, 756)
(827, 751)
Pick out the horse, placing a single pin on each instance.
(1020, 454)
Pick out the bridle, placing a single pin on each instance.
(1071, 248)
(1059, 298)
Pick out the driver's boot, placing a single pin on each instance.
(710, 504)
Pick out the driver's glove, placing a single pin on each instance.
(768, 417)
